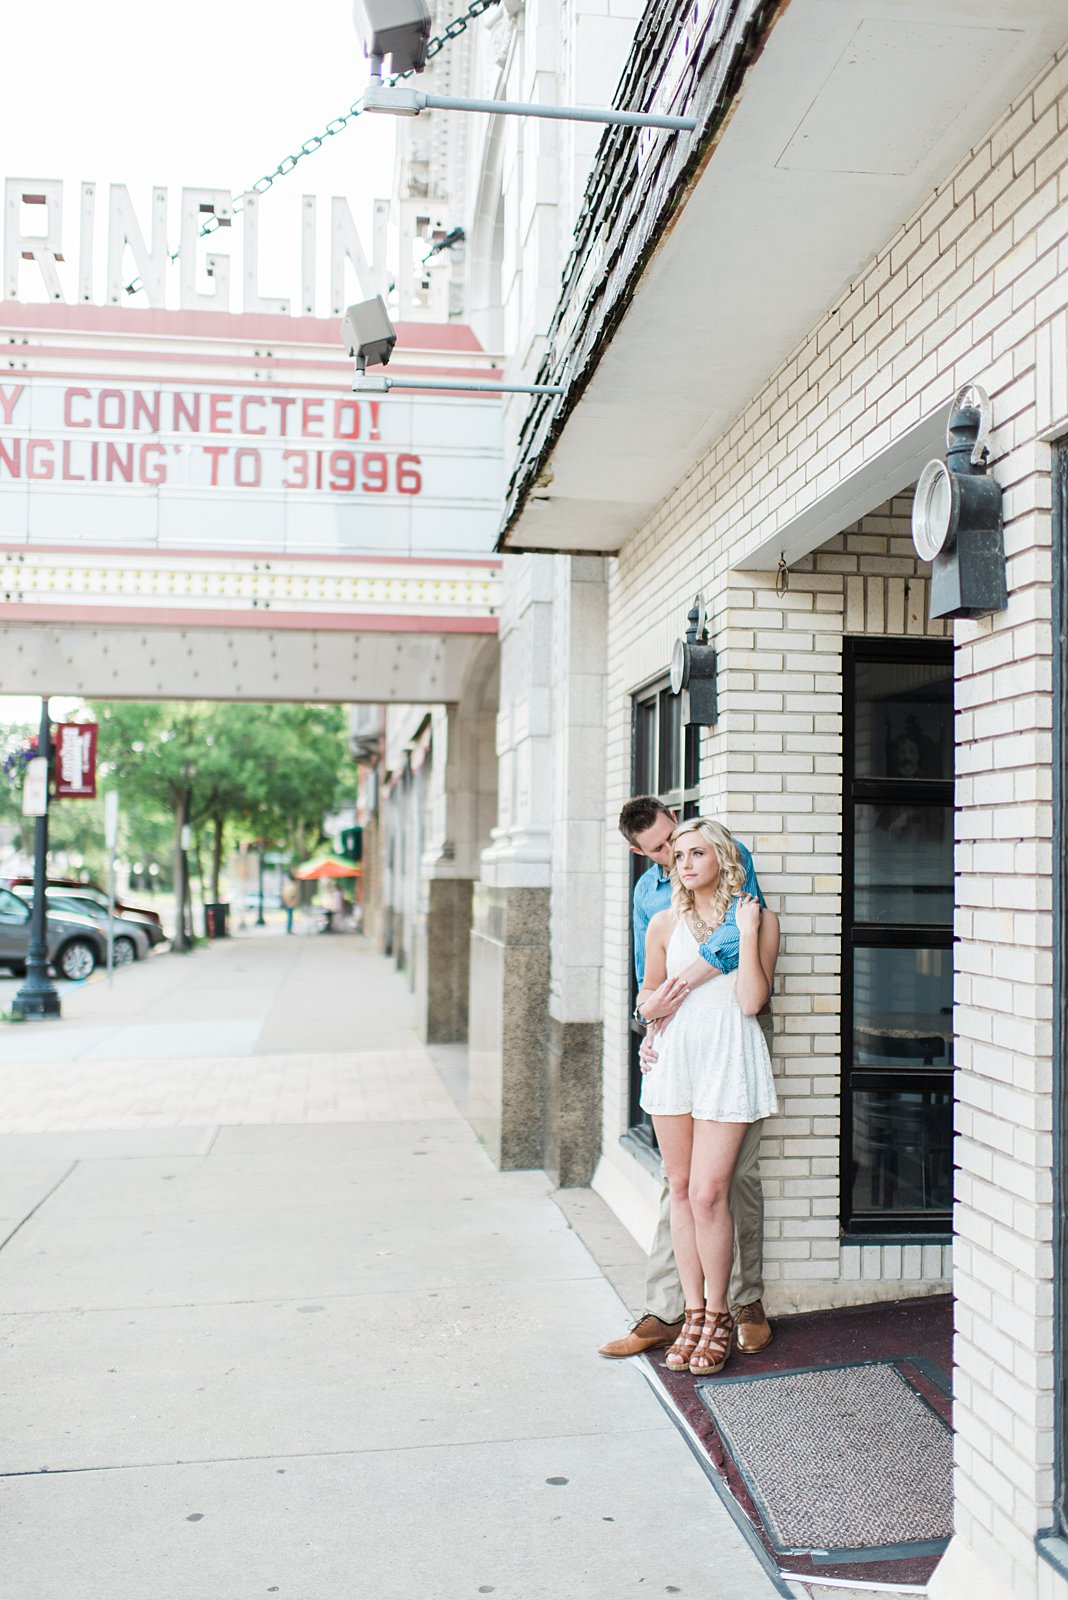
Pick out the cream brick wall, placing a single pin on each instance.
(974, 286)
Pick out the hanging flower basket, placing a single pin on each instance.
(16, 761)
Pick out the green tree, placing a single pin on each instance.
(264, 773)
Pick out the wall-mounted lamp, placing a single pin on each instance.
(369, 336)
(693, 669)
(399, 30)
(957, 517)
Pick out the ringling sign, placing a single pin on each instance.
(176, 466)
(40, 252)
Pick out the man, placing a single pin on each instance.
(647, 825)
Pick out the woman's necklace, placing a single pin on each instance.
(701, 929)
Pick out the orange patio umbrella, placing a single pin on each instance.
(326, 867)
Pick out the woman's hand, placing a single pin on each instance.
(665, 1001)
(747, 914)
(648, 1054)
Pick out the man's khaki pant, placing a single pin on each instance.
(663, 1291)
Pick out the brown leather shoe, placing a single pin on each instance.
(648, 1333)
(754, 1329)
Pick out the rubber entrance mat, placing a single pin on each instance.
(841, 1458)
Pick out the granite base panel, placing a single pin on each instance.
(444, 961)
(572, 1122)
(508, 1011)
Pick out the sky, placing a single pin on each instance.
(207, 93)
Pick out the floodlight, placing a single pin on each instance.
(399, 29)
(368, 334)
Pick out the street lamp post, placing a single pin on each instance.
(37, 998)
(261, 921)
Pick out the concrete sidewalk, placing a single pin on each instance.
(273, 1323)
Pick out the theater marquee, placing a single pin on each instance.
(174, 466)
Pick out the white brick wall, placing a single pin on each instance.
(772, 768)
(974, 286)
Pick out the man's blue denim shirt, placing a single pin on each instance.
(652, 893)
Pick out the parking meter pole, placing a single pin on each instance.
(37, 998)
(111, 835)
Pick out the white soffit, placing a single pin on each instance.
(852, 115)
(166, 663)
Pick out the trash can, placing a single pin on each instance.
(215, 915)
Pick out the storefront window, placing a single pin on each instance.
(897, 921)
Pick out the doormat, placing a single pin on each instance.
(847, 1461)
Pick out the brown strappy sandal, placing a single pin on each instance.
(713, 1349)
(678, 1357)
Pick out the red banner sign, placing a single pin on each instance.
(75, 761)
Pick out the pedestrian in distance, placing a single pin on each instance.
(647, 825)
(290, 900)
(712, 1075)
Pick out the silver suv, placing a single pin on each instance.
(75, 945)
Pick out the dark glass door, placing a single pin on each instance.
(1060, 972)
(897, 949)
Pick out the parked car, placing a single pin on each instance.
(75, 944)
(150, 920)
(131, 937)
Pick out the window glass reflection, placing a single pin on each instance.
(671, 712)
(903, 864)
(903, 725)
(903, 1007)
(902, 1151)
(645, 748)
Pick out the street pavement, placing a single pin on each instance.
(273, 1324)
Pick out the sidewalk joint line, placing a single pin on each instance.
(5, 1242)
(320, 1455)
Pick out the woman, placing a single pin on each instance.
(712, 1075)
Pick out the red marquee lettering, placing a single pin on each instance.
(346, 419)
(252, 478)
(69, 474)
(39, 450)
(69, 419)
(146, 406)
(215, 452)
(247, 401)
(8, 402)
(219, 413)
(283, 402)
(11, 457)
(188, 412)
(409, 477)
(119, 462)
(111, 408)
(311, 419)
(298, 460)
(152, 466)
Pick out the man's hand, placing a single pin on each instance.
(648, 1055)
(666, 1000)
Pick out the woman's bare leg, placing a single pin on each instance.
(715, 1147)
(675, 1138)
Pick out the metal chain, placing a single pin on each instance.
(212, 224)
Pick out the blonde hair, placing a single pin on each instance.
(731, 872)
